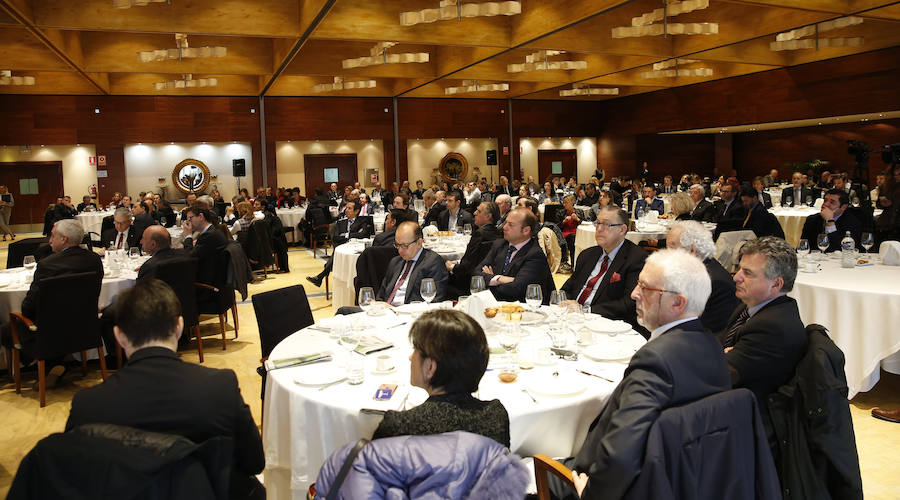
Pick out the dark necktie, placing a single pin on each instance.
(509, 253)
(589, 287)
(119, 242)
(732, 332)
(402, 278)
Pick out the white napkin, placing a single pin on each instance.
(476, 305)
(890, 253)
(818, 203)
(652, 216)
(429, 230)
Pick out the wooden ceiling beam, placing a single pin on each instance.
(312, 14)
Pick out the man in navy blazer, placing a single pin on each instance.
(833, 220)
(681, 363)
(517, 260)
(649, 201)
(610, 293)
(758, 219)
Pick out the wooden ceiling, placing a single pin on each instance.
(284, 47)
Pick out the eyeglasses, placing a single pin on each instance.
(606, 225)
(404, 245)
(643, 286)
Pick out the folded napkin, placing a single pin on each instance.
(476, 305)
(890, 253)
(652, 216)
(428, 230)
(818, 203)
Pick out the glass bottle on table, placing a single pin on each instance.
(848, 256)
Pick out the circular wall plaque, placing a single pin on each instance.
(454, 167)
(191, 176)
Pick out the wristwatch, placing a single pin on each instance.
(829, 221)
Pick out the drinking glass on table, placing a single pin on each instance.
(366, 297)
(534, 296)
(349, 340)
(467, 229)
(558, 303)
(809, 201)
(29, 262)
(867, 241)
(509, 340)
(803, 247)
(787, 202)
(134, 253)
(822, 242)
(476, 285)
(428, 289)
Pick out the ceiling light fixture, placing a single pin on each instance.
(793, 40)
(585, 89)
(379, 55)
(670, 68)
(473, 86)
(540, 60)
(6, 78)
(127, 4)
(187, 81)
(643, 25)
(455, 9)
(340, 84)
(181, 51)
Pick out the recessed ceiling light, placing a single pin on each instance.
(252, 110)
(96, 111)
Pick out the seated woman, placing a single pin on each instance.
(245, 217)
(548, 195)
(682, 205)
(450, 355)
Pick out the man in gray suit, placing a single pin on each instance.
(682, 362)
(402, 283)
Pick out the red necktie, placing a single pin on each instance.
(593, 281)
(400, 281)
(119, 243)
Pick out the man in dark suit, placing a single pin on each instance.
(758, 219)
(454, 217)
(668, 187)
(833, 220)
(366, 207)
(730, 211)
(158, 243)
(504, 203)
(123, 235)
(682, 363)
(704, 210)
(764, 198)
(693, 237)
(505, 188)
(393, 219)
(461, 270)
(188, 201)
(142, 217)
(350, 227)
(403, 282)
(764, 338)
(156, 391)
(605, 275)
(208, 247)
(591, 195)
(86, 202)
(797, 193)
(649, 201)
(433, 206)
(517, 260)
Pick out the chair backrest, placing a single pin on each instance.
(180, 274)
(280, 313)
(259, 244)
(728, 245)
(17, 250)
(107, 223)
(67, 318)
(371, 267)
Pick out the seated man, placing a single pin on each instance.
(158, 243)
(123, 235)
(188, 201)
(156, 391)
(142, 217)
(393, 219)
(764, 338)
(704, 210)
(764, 198)
(758, 219)
(454, 217)
(402, 283)
(681, 363)
(208, 247)
(730, 211)
(433, 207)
(350, 227)
(649, 201)
(798, 193)
(517, 260)
(604, 275)
(833, 220)
(486, 231)
(504, 203)
(693, 237)
(86, 202)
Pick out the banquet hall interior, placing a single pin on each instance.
(105, 97)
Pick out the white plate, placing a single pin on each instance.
(607, 352)
(316, 375)
(384, 372)
(529, 317)
(562, 386)
(597, 323)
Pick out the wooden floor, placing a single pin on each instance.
(24, 422)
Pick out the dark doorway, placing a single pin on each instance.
(30, 208)
(314, 166)
(567, 163)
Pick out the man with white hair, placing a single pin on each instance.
(696, 239)
(504, 203)
(682, 362)
(704, 210)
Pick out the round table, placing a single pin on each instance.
(303, 425)
(861, 309)
(346, 255)
(290, 217)
(93, 221)
(792, 220)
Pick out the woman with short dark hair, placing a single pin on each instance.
(450, 355)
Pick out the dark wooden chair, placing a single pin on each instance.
(217, 298)
(181, 276)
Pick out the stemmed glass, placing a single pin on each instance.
(809, 201)
(509, 341)
(534, 295)
(557, 303)
(29, 262)
(476, 285)
(822, 242)
(467, 229)
(867, 241)
(428, 289)
(134, 253)
(349, 340)
(787, 201)
(366, 297)
(803, 247)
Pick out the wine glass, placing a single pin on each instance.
(428, 289)
(476, 285)
(349, 340)
(534, 295)
(29, 262)
(788, 201)
(867, 241)
(822, 242)
(134, 253)
(366, 297)
(809, 201)
(855, 202)
(467, 229)
(557, 302)
(803, 247)
(509, 341)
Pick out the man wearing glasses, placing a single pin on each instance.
(401, 284)
(123, 235)
(605, 275)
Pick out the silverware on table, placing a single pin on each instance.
(529, 394)
(336, 382)
(595, 375)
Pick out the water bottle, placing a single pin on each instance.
(848, 259)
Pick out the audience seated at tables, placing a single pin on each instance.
(123, 235)
(419, 191)
(681, 363)
(393, 219)
(165, 215)
(765, 337)
(351, 226)
(591, 195)
(667, 186)
(704, 210)
(86, 204)
(758, 219)
(887, 226)
(730, 211)
(454, 216)
(516, 261)
(188, 201)
(366, 207)
(156, 391)
(604, 275)
(485, 232)
(607, 197)
(548, 195)
(405, 272)
(765, 199)
(833, 220)
(245, 217)
(795, 195)
(771, 179)
(450, 355)
(649, 201)
(694, 238)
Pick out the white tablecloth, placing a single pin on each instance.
(92, 221)
(303, 425)
(290, 217)
(861, 309)
(792, 220)
(346, 255)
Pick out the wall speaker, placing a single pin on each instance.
(239, 167)
(491, 156)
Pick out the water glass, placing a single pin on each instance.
(557, 303)
(366, 297)
(558, 336)
(476, 285)
(809, 201)
(356, 368)
(822, 242)
(867, 241)
(134, 253)
(467, 229)
(787, 202)
(534, 295)
(428, 289)
(29, 262)
(803, 247)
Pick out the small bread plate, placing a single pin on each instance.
(390, 370)
(606, 352)
(599, 324)
(562, 386)
(316, 375)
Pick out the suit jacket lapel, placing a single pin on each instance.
(614, 267)
(520, 255)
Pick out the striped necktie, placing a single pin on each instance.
(730, 339)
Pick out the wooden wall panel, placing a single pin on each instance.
(675, 155)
